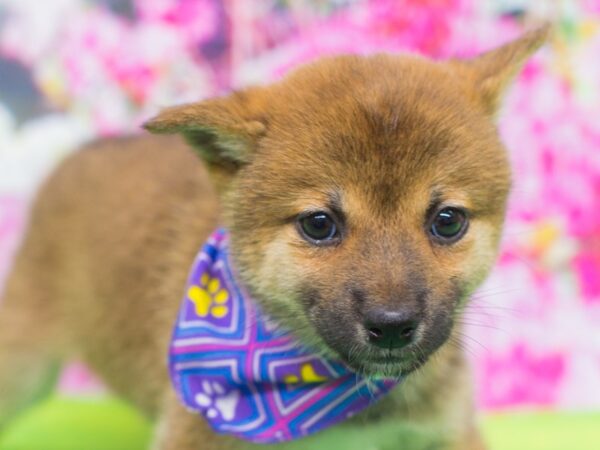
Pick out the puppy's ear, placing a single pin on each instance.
(225, 131)
(493, 71)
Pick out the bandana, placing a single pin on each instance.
(248, 378)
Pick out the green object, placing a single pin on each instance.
(74, 423)
(543, 431)
(64, 423)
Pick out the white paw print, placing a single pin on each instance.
(216, 402)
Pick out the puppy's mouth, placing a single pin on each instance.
(386, 365)
(361, 356)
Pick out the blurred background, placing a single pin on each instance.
(72, 70)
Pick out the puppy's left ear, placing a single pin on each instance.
(492, 72)
(224, 131)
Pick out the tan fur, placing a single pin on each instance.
(115, 229)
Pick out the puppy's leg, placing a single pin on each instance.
(473, 441)
(29, 363)
(179, 429)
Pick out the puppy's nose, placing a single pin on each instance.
(390, 329)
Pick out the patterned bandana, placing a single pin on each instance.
(248, 379)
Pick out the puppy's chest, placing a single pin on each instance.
(386, 430)
(380, 435)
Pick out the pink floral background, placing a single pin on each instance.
(71, 70)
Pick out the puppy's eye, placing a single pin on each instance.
(449, 225)
(318, 227)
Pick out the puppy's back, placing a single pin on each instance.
(100, 274)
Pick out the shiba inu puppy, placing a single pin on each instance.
(363, 200)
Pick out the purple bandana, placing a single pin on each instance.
(248, 379)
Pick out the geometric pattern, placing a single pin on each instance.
(249, 379)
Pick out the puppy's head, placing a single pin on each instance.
(364, 195)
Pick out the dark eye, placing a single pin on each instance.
(449, 225)
(318, 227)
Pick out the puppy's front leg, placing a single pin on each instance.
(179, 429)
(472, 441)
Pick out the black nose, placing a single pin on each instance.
(390, 329)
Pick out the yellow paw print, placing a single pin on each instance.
(209, 298)
(307, 375)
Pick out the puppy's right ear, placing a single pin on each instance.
(225, 131)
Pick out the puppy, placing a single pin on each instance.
(363, 199)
